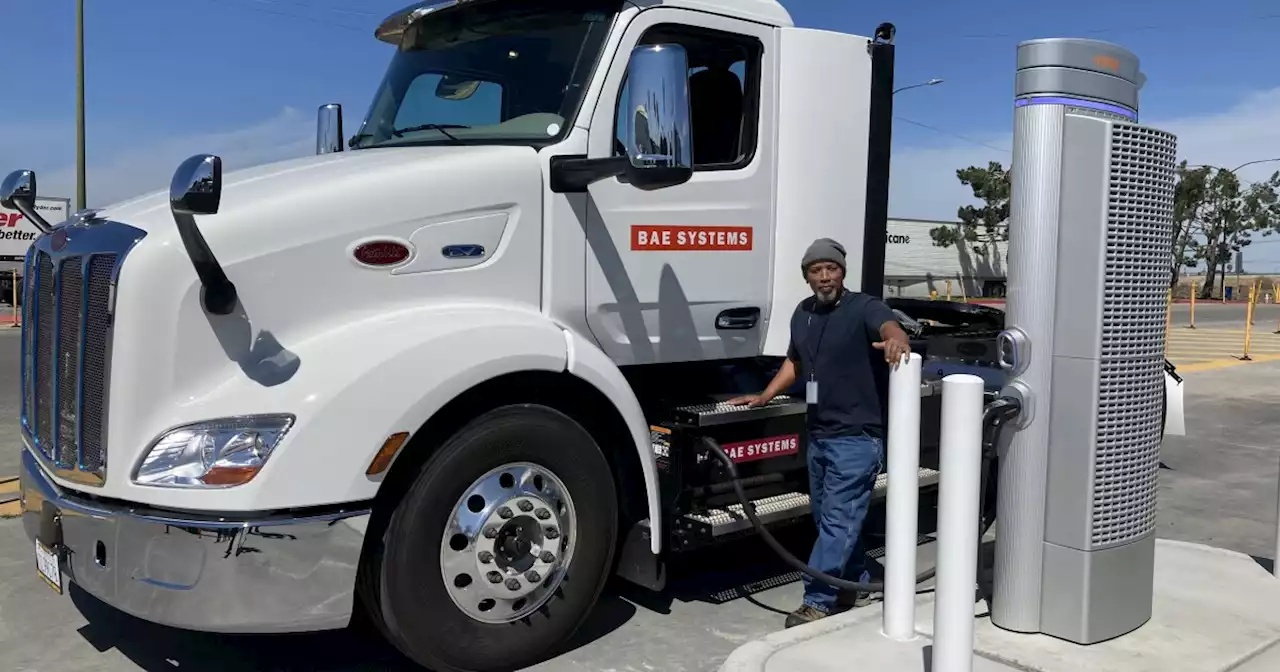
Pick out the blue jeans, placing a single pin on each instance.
(842, 475)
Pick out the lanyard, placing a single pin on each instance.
(821, 333)
(813, 353)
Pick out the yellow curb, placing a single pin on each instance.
(8, 486)
(1226, 363)
(11, 510)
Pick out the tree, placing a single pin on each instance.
(1188, 196)
(1227, 216)
(983, 224)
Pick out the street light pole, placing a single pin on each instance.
(1250, 163)
(933, 82)
(80, 186)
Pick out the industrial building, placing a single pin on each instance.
(916, 267)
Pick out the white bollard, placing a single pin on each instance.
(958, 493)
(1275, 559)
(903, 502)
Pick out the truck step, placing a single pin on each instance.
(787, 506)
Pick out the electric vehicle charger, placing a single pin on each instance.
(994, 416)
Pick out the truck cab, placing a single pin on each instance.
(428, 375)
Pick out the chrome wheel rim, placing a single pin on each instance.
(509, 539)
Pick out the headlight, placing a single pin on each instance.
(214, 454)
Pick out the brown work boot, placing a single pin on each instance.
(805, 614)
(854, 599)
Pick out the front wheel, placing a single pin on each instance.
(501, 547)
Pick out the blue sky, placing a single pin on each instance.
(167, 78)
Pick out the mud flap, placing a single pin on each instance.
(637, 563)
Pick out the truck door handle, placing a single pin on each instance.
(738, 318)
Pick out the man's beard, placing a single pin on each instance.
(828, 296)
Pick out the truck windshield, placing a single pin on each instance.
(489, 73)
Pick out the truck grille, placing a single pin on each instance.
(66, 336)
(1139, 242)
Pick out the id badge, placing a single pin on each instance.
(811, 392)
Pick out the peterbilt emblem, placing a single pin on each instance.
(59, 240)
(379, 253)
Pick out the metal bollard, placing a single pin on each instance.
(1248, 329)
(903, 501)
(958, 494)
(1193, 306)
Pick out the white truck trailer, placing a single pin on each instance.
(448, 374)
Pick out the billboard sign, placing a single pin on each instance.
(17, 232)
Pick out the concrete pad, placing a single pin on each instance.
(1214, 610)
(1265, 661)
(851, 640)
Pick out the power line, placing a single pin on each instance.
(954, 135)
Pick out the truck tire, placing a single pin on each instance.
(501, 547)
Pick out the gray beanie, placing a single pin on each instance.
(823, 249)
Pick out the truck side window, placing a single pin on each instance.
(724, 91)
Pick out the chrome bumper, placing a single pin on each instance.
(271, 574)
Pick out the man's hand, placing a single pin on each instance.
(748, 400)
(895, 345)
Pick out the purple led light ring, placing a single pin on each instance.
(1078, 102)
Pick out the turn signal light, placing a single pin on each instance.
(386, 453)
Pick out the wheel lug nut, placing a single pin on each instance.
(551, 533)
(505, 513)
(513, 584)
(543, 514)
(525, 505)
(547, 557)
(533, 576)
(490, 533)
(486, 557)
(494, 577)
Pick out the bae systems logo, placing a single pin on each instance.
(646, 238)
(759, 449)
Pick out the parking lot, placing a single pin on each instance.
(1218, 486)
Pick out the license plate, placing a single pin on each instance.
(48, 568)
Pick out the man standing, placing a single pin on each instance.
(834, 338)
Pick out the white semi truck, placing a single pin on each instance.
(454, 372)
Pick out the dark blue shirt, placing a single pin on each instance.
(833, 346)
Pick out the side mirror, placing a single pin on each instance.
(18, 191)
(659, 135)
(329, 129)
(659, 131)
(196, 188)
(18, 187)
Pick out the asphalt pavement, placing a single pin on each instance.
(1218, 487)
(1216, 314)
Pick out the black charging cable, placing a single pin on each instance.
(994, 416)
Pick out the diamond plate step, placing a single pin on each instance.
(786, 506)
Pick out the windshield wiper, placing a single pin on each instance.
(399, 132)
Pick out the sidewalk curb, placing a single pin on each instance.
(754, 656)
